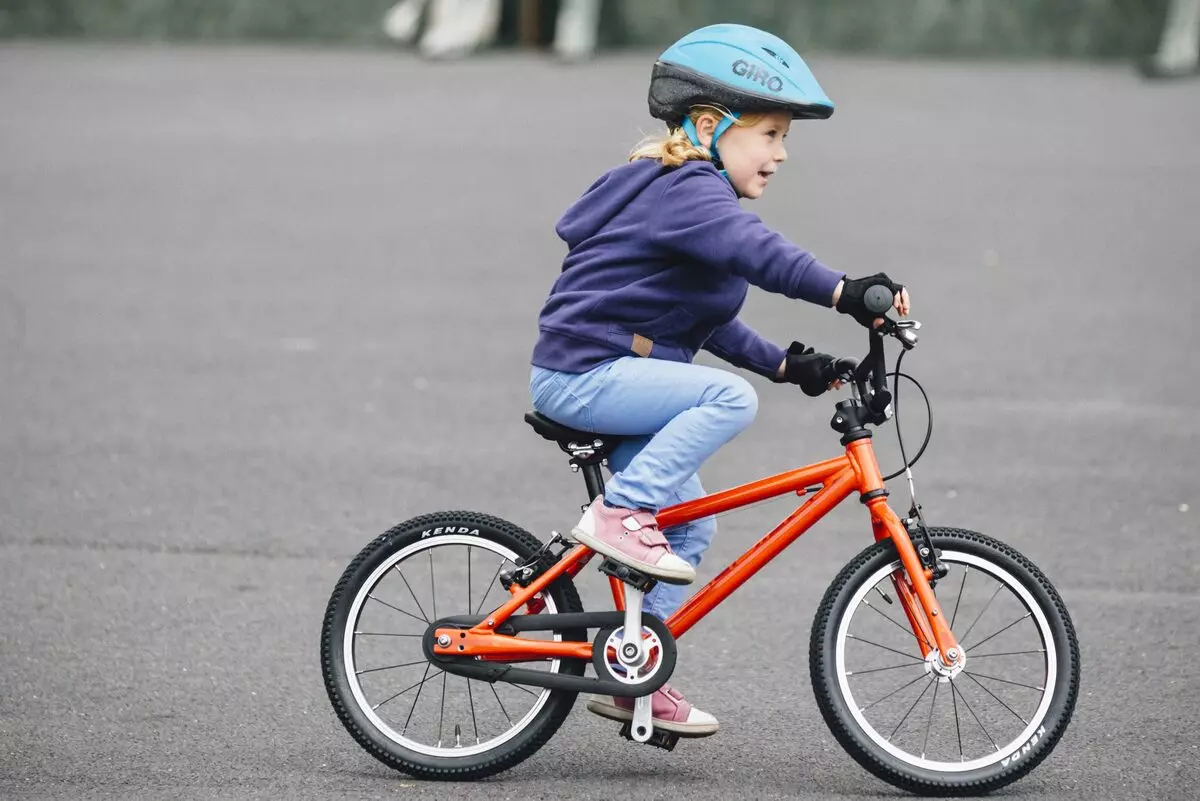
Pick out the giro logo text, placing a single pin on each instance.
(758, 75)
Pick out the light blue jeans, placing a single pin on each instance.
(671, 417)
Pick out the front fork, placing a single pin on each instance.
(913, 588)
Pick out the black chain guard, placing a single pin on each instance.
(574, 624)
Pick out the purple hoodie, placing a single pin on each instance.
(659, 263)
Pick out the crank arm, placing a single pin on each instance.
(642, 725)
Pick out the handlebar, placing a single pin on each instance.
(872, 370)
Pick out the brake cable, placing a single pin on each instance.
(914, 524)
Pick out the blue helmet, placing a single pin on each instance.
(738, 67)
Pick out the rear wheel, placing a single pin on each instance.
(922, 727)
(403, 710)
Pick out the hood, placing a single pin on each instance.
(605, 199)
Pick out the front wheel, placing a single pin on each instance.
(918, 726)
(403, 710)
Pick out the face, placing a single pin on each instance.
(750, 153)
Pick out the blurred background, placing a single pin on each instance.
(1054, 28)
(269, 282)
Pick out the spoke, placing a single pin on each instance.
(474, 722)
(929, 722)
(413, 708)
(876, 670)
(1009, 653)
(410, 590)
(1001, 631)
(1005, 681)
(383, 634)
(442, 719)
(894, 623)
(522, 689)
(957, 727)
(432, 591)
(391, 667)
(910, 709)
(893, 692)
(402, 692)
(489, 587)
(469, 604)
(958, 600)
(501, 703)
(398, 609)
(981, 611)
(884, 647)
(989, 692)
(954, 688)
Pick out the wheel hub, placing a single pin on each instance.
(934, 666)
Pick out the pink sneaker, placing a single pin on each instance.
(631, 537)
(669, 710)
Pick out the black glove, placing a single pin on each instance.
(851, 300)
(813, 372)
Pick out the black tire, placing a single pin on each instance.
(904, 774)
(535, 733)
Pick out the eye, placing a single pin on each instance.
(772, 133)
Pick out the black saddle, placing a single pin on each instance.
(581, 445)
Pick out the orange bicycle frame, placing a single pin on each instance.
(837, 478)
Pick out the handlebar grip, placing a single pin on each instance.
(878, 298)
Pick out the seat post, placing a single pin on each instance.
(594, 479)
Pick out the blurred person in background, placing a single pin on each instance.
(1178, 53)
(457, 28)
(660, 259)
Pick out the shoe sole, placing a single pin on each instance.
(660, 573)
(623, 716)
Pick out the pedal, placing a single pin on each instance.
(631, 576)
(658, 738)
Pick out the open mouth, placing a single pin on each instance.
(765, 175)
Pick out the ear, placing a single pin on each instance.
(705, 126)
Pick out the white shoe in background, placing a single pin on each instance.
(1179, 46)
(575, 29)
(459, 27)
(403, 19)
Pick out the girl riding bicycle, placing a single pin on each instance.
(660, 259)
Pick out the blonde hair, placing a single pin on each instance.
(674, 147)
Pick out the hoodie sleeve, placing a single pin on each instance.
(741, 346)
(699, 217)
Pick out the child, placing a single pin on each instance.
(660, 259)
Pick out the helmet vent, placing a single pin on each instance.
(775, 56)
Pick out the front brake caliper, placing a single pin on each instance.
(914, 524)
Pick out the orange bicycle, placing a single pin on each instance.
(942, 660)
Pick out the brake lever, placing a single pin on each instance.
(906, 333)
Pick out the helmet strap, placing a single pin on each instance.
(724, 125)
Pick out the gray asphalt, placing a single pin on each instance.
(257, 305)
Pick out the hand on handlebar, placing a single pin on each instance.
(854, 301)
(813, 372)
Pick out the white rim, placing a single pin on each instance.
(1005, 578)
(349, 663)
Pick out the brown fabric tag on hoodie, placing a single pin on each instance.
(641, 346)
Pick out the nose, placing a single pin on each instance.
(781, 156)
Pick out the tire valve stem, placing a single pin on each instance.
(883, 595)
(457, 736)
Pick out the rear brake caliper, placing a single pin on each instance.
(527, 570)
